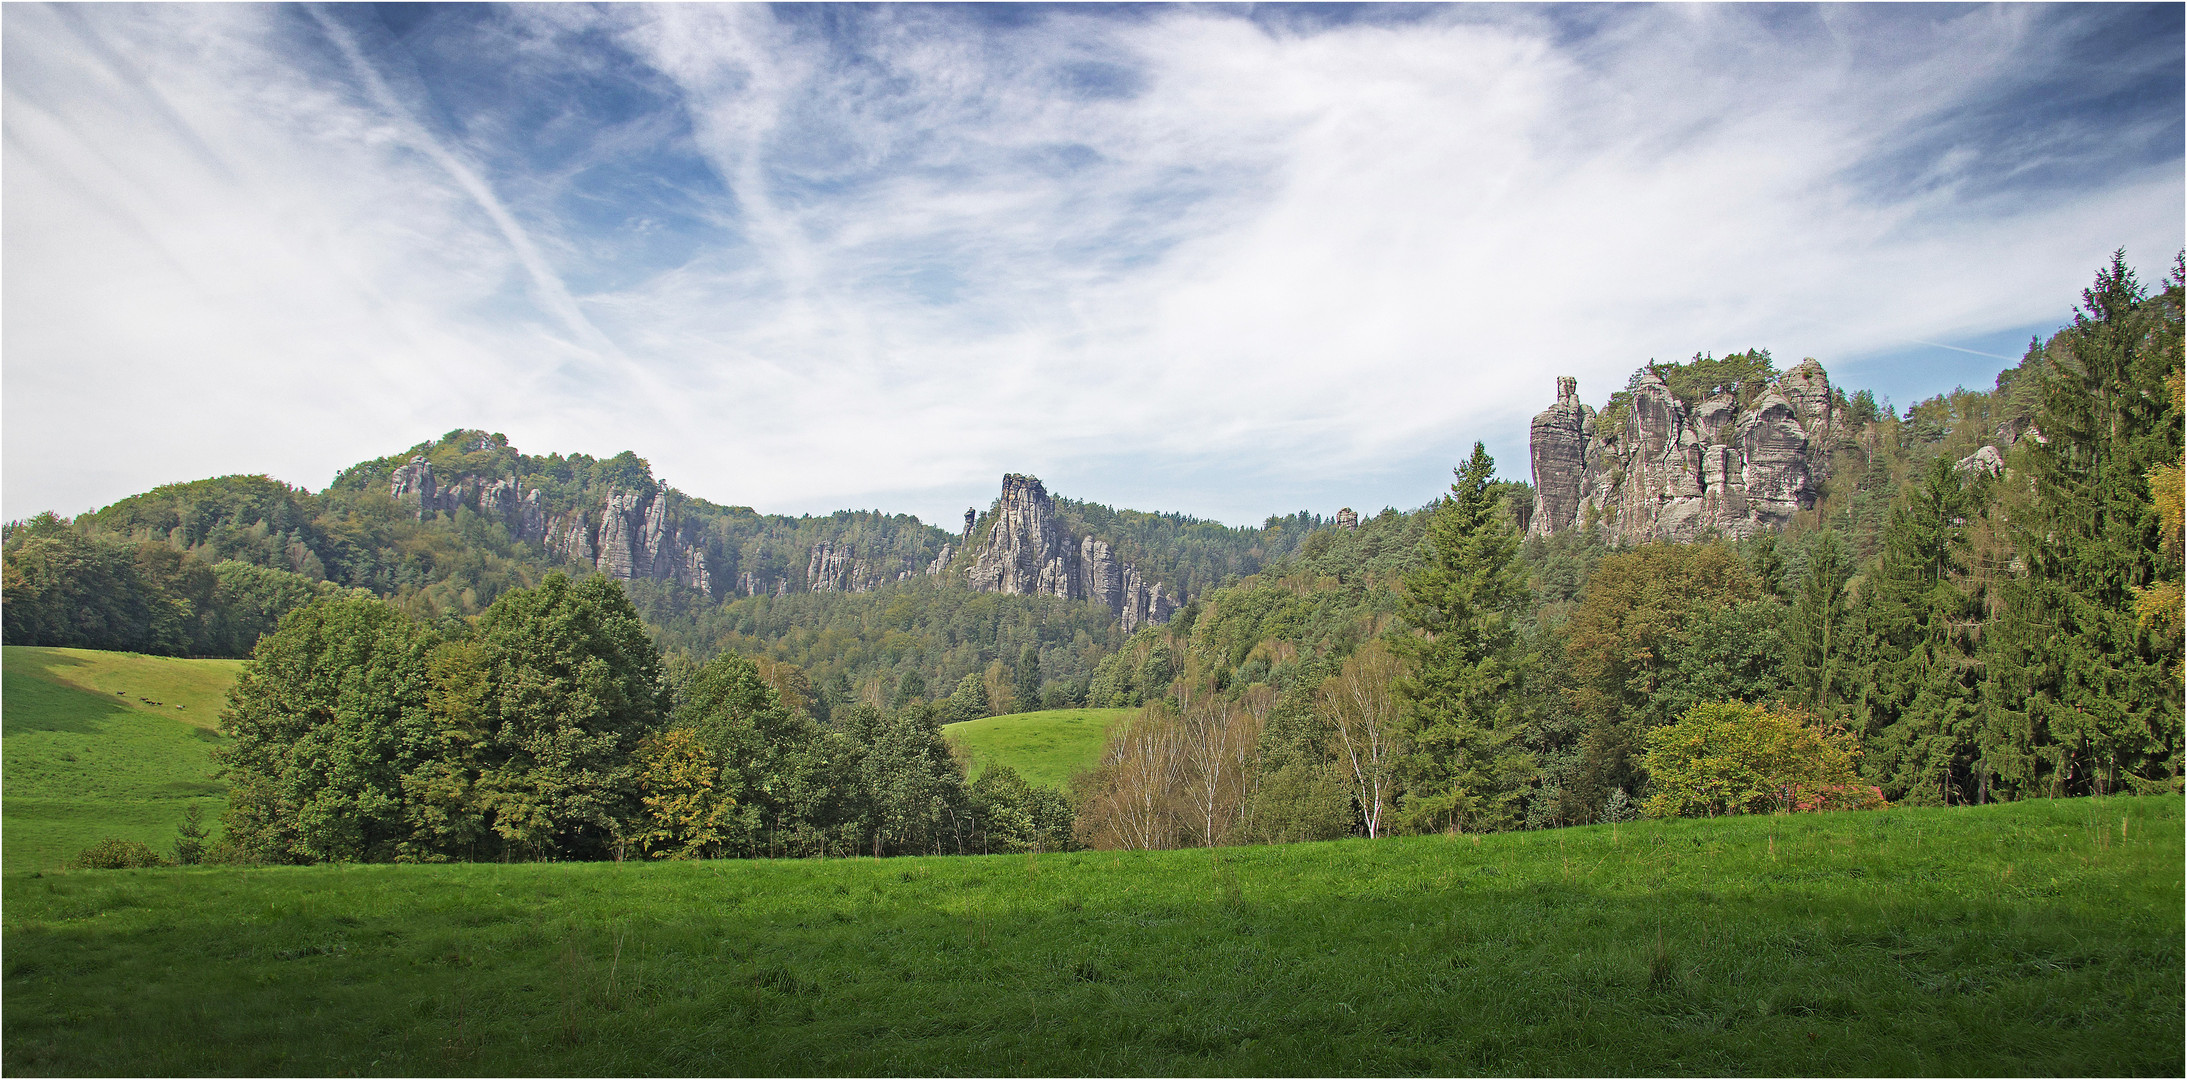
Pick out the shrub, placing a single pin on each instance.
(1731, 758)
(112, 854)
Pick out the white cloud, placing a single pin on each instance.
(1267, 269)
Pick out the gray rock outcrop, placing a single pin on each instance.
(1029, 550)
(636, 536)
(1985, 460)
(1664, 471)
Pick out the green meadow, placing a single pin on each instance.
(98, 744)
(1046, 748)
(2029, 938)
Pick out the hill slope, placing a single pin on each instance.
(1046, 748)
(86, 753)
(2038, 937)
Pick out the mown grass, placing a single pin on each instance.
(2039, 937)
(1046, 748)
(97, 744)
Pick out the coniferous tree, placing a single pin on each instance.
(1025, 683)
(1816, 633)
(1916, 684)
(1466, 761)
(2083, 696)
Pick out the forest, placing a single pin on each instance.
(1935, 630)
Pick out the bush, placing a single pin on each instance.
(112, 854)
(1731, 758)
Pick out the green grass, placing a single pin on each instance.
(80, 762)
(1046, 748)
(2040, 937)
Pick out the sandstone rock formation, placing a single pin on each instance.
(1985, 460)
(1029, 550)
(1663, 471)
(636, 536)
(1348, 519)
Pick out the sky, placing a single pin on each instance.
(1229, 261)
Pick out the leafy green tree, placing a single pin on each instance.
(1466, 761)
(64, 587)
(1733, 651)
(686, 814)
(910, 796)
(1012, 815)
(968, 701)
(1620, 644)
(574, 684)
(323, 724)
(764, 750)
(2082, 695)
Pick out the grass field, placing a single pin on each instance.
(2041, 937)
(1046, 748)
(85, 753)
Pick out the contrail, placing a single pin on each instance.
(1971, 352)
(551, 289)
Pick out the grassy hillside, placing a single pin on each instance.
(97, 744)
(2040, 937)
(1046, 748)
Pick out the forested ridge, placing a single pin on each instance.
(141, 574)
(1983, 604)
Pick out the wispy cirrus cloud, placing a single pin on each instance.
(1230, 263)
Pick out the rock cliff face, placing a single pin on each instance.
(1029, 550)
(836, 567)
(637, 536)
(1662, 471)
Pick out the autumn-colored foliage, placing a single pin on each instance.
(687, 814)
(1732, 758)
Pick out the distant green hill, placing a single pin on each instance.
(1046, 748)
(98, 744)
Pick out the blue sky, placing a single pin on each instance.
(1230, 261)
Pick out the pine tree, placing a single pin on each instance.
(1466, 764)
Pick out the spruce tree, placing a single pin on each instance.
(1466, 763)
(1917, 683)
(1026, 686)
(1816, 634)
(2083, 697)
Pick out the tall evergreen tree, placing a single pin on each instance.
(2083, 697)
(1466, 764)
(1026, 684)
(1916, 686)
(1817, 635)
